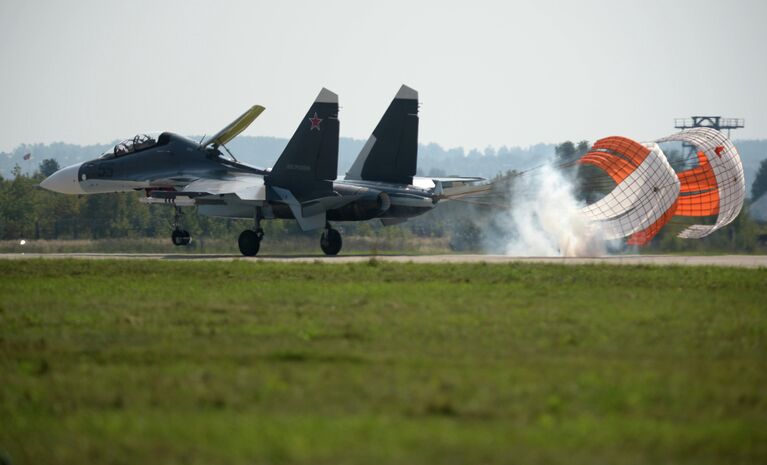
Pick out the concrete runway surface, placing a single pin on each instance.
(741, 261)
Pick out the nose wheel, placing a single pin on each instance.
(331, 242)
(179, 236)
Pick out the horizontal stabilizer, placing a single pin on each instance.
(459, 179)
(445, 188)
(458, 191)
(305, 222)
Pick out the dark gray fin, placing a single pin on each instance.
(391, 152)
(309, 163)
(392, 221)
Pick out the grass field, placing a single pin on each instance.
(130, 362)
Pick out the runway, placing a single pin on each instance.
(739, 261)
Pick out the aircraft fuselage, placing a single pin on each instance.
(161, 171)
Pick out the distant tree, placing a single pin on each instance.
(48, 167)
(759, 186)
(583, 148)
(565, 151)
(17, 210)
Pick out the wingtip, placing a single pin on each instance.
(407, 93)
(326, 96)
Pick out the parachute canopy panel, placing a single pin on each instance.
(644, 236)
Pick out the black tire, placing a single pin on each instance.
(331, 242)
(176, 237)
(186, 238)
(249, 243)
(180, 237)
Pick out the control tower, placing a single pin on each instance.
(715, 122)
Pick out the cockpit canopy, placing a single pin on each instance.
(134, 144)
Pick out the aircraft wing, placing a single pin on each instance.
(244, 186)
(234, 128)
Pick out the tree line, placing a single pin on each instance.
(29, 212)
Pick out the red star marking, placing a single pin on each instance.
(315, 122)
(719, 151)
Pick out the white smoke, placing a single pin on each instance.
(544, 219)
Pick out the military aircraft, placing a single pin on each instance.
(302, 185)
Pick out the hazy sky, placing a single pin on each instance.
(488, 73)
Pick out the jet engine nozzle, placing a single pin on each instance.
(369, 204)
(384, 202)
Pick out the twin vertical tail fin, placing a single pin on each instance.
(309, 163)
(391, 152)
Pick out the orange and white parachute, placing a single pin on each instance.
(646, 186)
(648, 192)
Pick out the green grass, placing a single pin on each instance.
(130, 362)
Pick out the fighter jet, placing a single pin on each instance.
(302, 184)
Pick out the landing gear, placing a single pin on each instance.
(330, 242)
(250, 239)
(179, 236)
(249, 242)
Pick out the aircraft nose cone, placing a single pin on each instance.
(64, 181)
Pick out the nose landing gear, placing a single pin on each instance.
(330, 242)
(179, 236)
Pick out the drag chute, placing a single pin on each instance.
(715, 187)
(646, 187)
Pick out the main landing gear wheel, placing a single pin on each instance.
(331, 242)
(250, 239)
(250, 242)
(181, 237)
